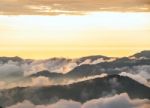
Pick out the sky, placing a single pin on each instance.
(63, 28)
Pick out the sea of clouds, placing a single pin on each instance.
(117, 101)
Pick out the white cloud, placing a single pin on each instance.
(2, 84)
(34, 82)
(142, 70)
(59, 65)
(44, 81)
(40, 81)
(136, 77)
(25, 104)
(102, 60)
(117, 101)
(71, 81)
(10, 69)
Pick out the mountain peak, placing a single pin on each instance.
(15, 59)
(46, 73)
(80, 91)
(142, 54)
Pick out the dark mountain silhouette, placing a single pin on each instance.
(142, 54)
(96, 69)
(145, 54)
(105, 67)
(46, 73)
(92, 58)
(81, 91)
(14, 59)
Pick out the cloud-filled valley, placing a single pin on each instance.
(15, 69)
(93, 81)
(117, 101)
(81, 91)
(74, 54)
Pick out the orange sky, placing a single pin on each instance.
(107, 33)
(59, 28)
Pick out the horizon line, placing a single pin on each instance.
(25, 58)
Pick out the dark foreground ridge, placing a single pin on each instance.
(81, 91)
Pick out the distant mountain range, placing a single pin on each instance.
(106, 67)
(15, 59)
(81, 91)
(60, 69)
(144, 54)
(77, 68)
(112, 67)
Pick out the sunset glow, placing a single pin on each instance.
(74, 53)
(109, 33)
(64, 28)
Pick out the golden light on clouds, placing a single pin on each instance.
(70, 7)
(108, 33)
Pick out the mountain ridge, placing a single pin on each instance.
(80, 91)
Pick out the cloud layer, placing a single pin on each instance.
(137, 78)
(56, 7)
(11, 70)
(60, 65)
(14, 73)
(117, 101)
(44, 81)
(34, 82)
